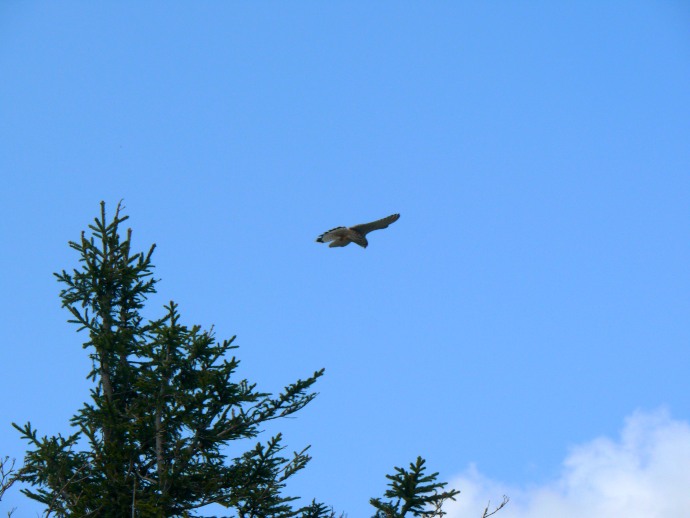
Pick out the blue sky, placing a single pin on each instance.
(531, 302)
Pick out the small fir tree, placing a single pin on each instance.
(413, 492)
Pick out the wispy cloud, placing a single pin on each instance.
(645, 473)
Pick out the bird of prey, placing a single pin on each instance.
(343, 236)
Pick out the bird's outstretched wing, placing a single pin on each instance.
(365, 228)
(332, 235)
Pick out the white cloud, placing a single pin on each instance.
(643, 474)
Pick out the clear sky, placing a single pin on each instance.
(523, 326)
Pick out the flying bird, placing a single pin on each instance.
(343, 236)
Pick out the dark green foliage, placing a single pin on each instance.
(166, 403)
(316, 510)
(412, 492)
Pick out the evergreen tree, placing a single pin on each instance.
(166, 403)
(413, 492)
